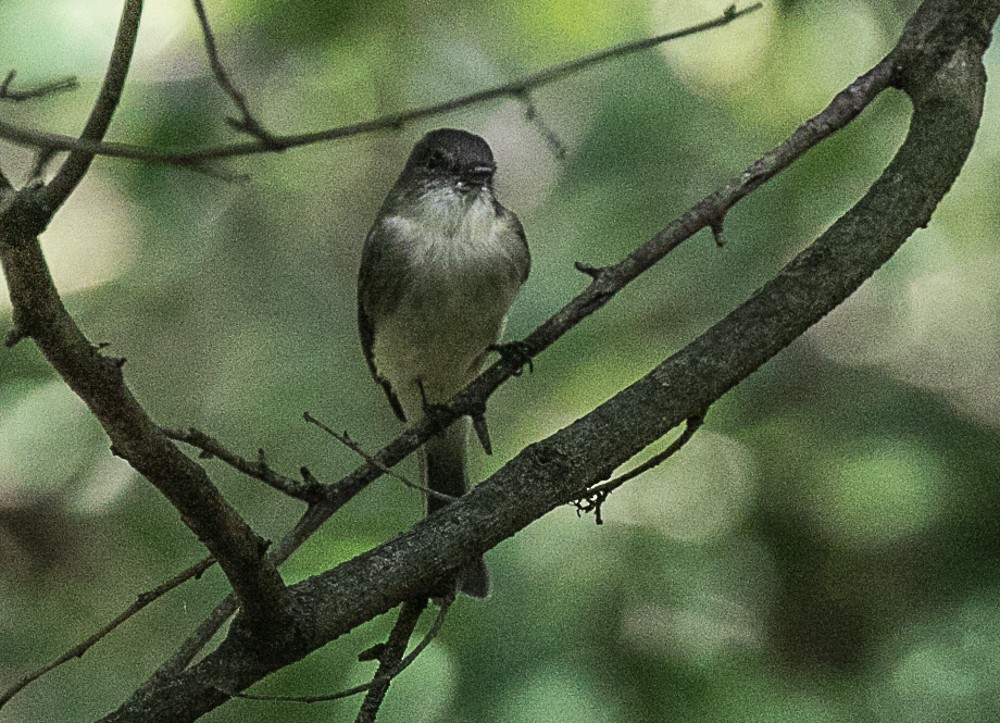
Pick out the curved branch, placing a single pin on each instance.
(76, 166)
(40, 314)
(939, 65)
(607, 282)
(514, 89)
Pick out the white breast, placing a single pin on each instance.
(461, 259)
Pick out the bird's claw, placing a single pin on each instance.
(515, 355)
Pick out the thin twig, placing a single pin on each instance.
(345, 439)
(77, 651)
(593, 499)
(76, 165)
(389, 658)
(38, 91)
(403, 665)
(513, 89)
(308, 489)
(247, 123)
(551, 138)
(193, 644)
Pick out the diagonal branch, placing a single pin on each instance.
(345, 439)
(77, 651)
(390, 657)
(38, 91)
(514, 89)
(607, 282)
(76, 165)
(39, 313)
(247, 123)
(308, 489)
(938, 63)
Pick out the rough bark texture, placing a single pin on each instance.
(938, 64)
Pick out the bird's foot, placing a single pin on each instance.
(439, 415)
(515, 355)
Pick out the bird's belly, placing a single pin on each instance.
(438, 337)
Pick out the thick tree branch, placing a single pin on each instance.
(606, 282)
(938, 64)
(515, 89)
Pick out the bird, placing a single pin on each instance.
(441, 266)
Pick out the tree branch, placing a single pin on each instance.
(389, 658)
(513, 89)
(40, 314)
(247, 123)
(77, 651)
(38, 91)
(345, 439)
(606, 282)
(77, 164)
(307, 489)
(938, 63)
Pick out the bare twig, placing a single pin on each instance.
(551, 138)
(77, 651)
(345, 439)
(513, 89)
(308, 489)
(76, 165)
(38, 91)
(405, 663)
(593, 499)
(40, 314)
(247, 123)
(389, 658)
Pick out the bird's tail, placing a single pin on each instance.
(442, 469)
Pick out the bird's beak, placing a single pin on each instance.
(479, 175)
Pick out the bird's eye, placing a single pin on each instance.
(437, 161)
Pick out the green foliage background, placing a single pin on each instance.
(826, 549)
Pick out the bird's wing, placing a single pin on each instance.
(375, 299)
(522, 253)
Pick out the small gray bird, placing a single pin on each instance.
(440, 268)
